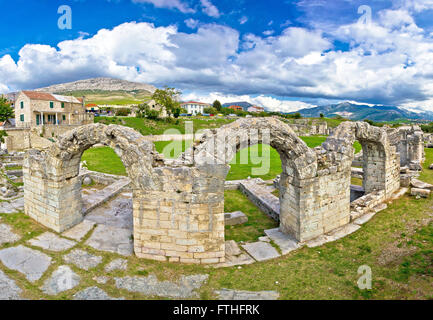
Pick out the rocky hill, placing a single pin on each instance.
(105, 91)
(99, 84)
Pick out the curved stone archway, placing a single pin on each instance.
(381, 162)
(51, 177)
(178, 205)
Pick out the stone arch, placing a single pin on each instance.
(51, 177)
(299, 180)
(381, 162)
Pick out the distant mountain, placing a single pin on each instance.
(103, 84)
(361, 112)
(105, 91)
(245, 105)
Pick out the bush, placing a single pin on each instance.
(124, 112)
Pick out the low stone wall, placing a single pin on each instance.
(257, 193)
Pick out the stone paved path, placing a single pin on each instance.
(80, 230)
(112, 239)
(14, 206)
(261, 251)
(62, 279)
(8, 288)
(82, 259)
(285, 242)
(31, 263)
(150, 286)
(93, 293)
(118, 264)
(116, 213)
(226, 294)
(6, 235)
(50, 241)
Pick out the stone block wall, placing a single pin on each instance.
(381, 168)
(51, 200)
(312, 207)
(184, 220)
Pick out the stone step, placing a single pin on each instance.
(96, 199)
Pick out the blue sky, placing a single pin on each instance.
(283, 55)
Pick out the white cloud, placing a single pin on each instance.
(210, 9)
(243, 20)
(169, 4)
(191, 23)
(388, 62)
(268, 32)
(267, 102)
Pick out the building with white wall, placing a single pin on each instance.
(194, 108)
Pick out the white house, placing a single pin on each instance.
(194, 108)
(256, 109)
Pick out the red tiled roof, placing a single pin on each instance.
(37, 95)
(34, 95)
(195, 102)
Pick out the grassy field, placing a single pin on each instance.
(101, 97)
(104, 159)
(147, 127)
(257, 220)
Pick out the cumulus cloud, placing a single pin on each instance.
(169, 4)
(388, 62)
(191, 23)
(210, 9)
(267, 102)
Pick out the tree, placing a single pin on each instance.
(6, 110)
(322, 115)
(168, 97)
(210, 110)
(217, 105)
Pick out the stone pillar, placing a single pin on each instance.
(51, 196)
(182, 221)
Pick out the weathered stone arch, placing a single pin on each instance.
(51, 177)
(381, 162)
(178, 205)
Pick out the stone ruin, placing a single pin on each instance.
(178, 205)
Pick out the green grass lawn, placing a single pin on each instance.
(257, 220)
(147, 127)
(104, 159)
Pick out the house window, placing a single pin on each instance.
(22, 104)
(64, 117)
(51, 105)
(22, 118)
(63, 105)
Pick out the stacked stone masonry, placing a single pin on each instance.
(178, 205)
